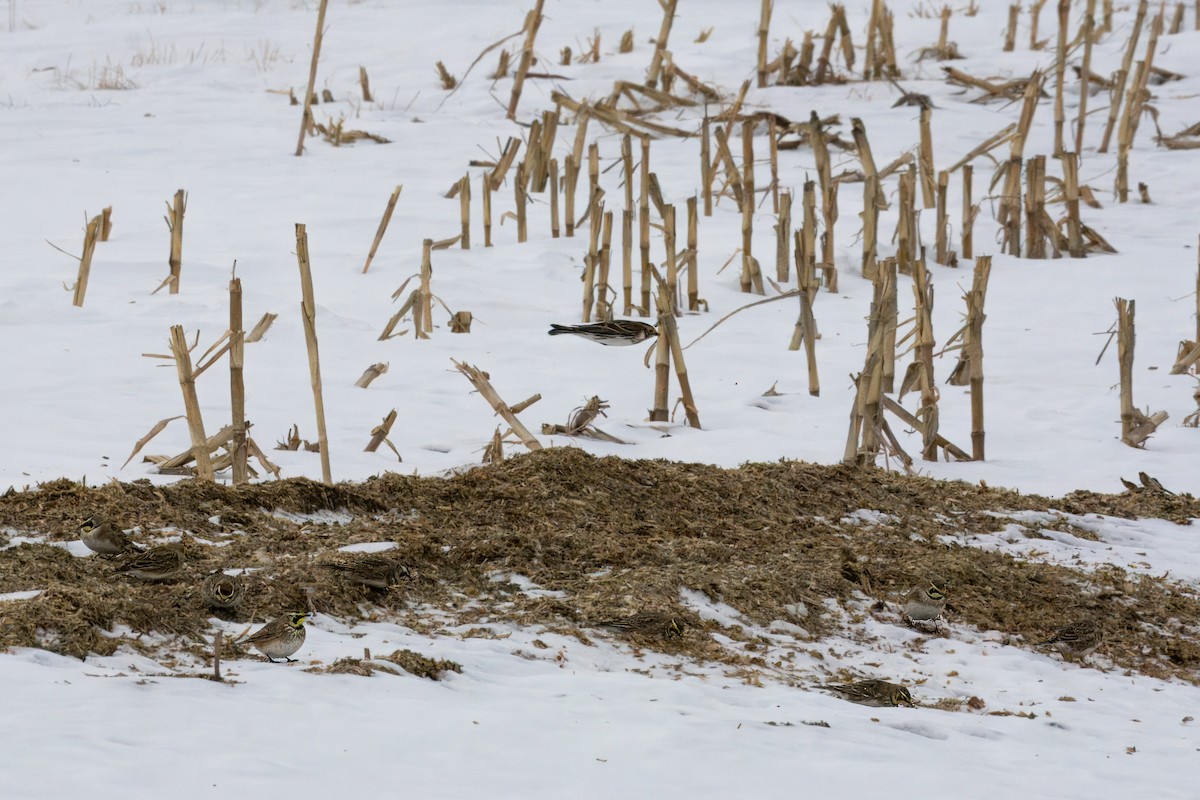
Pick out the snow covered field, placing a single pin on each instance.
(111, 102)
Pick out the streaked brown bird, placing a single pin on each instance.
(373, 571)
(1077, 638)
(646, 623)
(874, 693)
(615, 333)
(160, 563)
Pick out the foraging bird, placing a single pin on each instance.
(647, 623)
(156, 564)
(927, 602)
(281, 637)
(1078, 638)
(223, 591)
(617, 332)
(105, 538)
(874, 693)
(373, 571)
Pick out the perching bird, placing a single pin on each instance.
(281, 637)
(373, 571)
(1078, 638)
(223, 591)
(647, 623)
(875, 693)
(156, 564)
(105, 538)
(925, 603)
(617, 332)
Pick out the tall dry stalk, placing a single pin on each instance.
(1123, 75)
(1085, 72)
(237, 387)
(1136, 427)
(175, 211)
(90, 236)
(1060, 71)
(660, 43)
(644, 226)
(383, 224)
(187, 383)
(693, 281)
(764, 27)
(969, 340)
(464, 210)
(969, 212)
(925, 159)
(533, 21)
(308, 310)
(871, 198)
(306, 117)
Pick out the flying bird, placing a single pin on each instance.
(615, 333)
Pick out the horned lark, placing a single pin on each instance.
(618, 332)
(372, 571)
(281, 637)
(1078, 638)
(105, 538)
(925, 603)
(223, 591)
(156, 564)
(875, 693)
(647, 623)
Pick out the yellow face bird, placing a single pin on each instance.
(281, 637)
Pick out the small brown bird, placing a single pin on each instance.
(373, 571)
(617, 332)
(223, 591)
(647, 623)
(1078, 638)
(926, 602)
(874, 693)
(281, 637)
(159, 563)
(105, 538)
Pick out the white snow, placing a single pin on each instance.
(204, 108)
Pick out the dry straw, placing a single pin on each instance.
(383, 224)
(482, 383)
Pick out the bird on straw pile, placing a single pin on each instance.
(926, 602)
(105, 538)
(647, 623)
(1077, 639)
(373, 571)
(223, 591)
(615, 333)
(279, 638)
(156, 564)
(874, 693)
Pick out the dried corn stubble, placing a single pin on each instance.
(779, 519)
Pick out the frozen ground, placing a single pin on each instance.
(110, 102)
